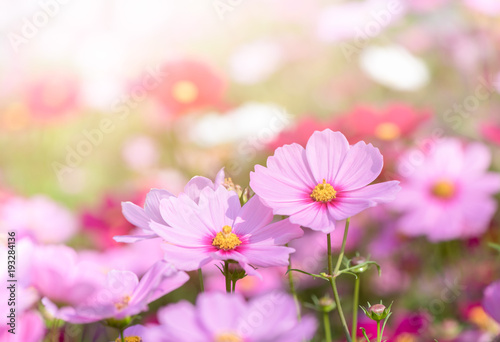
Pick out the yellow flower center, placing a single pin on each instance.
(226, 239)
(323, 192)
(15, 116)
(122, 303)
(130, 339)
(478, 316)
(387, 131)
(443, 189)
(185, 91)
(228, 337)
(406, 337)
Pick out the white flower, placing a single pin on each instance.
(257, 121)
(394, 67)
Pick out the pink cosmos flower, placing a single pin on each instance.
(122, 296)
(448, 194)
(58, 274)
(30, 327)
(323, 183)
(141, 217)
(125, 256)
(38, 217)
(491, 300)
(219, 228)
(227, 317)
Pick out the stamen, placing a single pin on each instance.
(443, 189)
(130, 339)
(185, 91)
(387, 131)
(123, 303)
(228, 337)
(226, 239)
(323, 192)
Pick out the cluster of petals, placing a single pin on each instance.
(122, 295)
(448, 193)
(325, 182)
(219, 228)
(227, 317)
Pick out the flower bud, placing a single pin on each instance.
(377, 312)
(357, 261)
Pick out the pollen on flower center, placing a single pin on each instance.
(130, 339)
(228, 337)
(185, 91)
(387, 131)
(122, 303)
(443, 189)
(323, 192)
(226, 239)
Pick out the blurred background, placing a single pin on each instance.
(100, 101)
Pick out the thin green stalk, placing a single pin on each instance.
(228, 278)
(339, 309)
(333, 273)
(326, 324)
(121, 335)
(234, 286)
(355, 303)
(379, 337)
(200, 275)
(341, 255)
(292, 287)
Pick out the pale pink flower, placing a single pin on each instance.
(328, 181)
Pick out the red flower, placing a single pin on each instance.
(190, 86)
(53, 96)
(391, 123)
(491, 132)
(105, 221)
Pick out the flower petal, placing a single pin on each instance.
(277, 233)
(361, 166)
(135, 215)
(253, 215)
(152, 205)
(325, 152)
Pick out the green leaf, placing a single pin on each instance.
(310, 274)
(494, 246)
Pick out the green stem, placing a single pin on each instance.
(354, 330)
(200, 275)
(379, 338)
(326, 324)
(333, 274)
(121, 335)
(341, 255)
(292, 287)
(339, 309)
(234, 285)
(228, 279)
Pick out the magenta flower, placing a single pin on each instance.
(219, 228)
(448, 194)
(141, 217)
(122, 296)
(323, 183)
(227, 317)
(491, 300)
